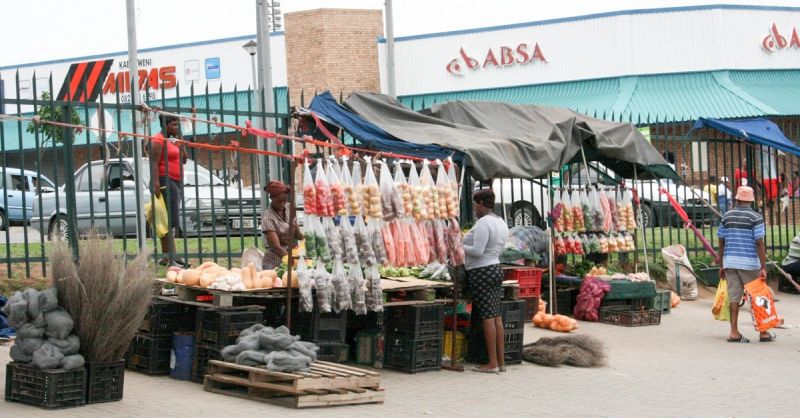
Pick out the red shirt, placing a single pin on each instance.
(738, 176)
(173, 158)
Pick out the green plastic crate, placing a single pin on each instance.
(662, 301)
(366, 347)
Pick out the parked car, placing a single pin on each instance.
(524, 202)
(105, 197)
(20, 191)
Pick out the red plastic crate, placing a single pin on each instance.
(529, 280)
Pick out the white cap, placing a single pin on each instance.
(724, 179)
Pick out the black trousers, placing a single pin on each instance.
(792, 268)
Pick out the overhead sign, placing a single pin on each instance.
(775, 41)
(496, 57)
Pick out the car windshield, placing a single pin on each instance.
(193, 174)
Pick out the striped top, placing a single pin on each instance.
(794, 252)
(741, 227)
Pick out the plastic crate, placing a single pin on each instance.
(529, 279)
(366, 347)
(222, 328)
(623, 315)
(512, 347)
(630, 303)
(203, 353)
(333, 352)
(105, 381)
(709, 276)
(512, 312)
(663, 301)
(56, 388)
(165, 317)
(415, 321)
(149, 354)
(785, 287)
(531, 307)
(320, 327)
(461, 345)
(413, 355)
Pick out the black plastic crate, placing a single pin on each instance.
(149, 354)
(166, 317)
(566, 299)
(512, 347)
(105, 381)
(785, 287)
(413, 355)
(56, 388)
(415, 321)
(512, 312)
(320, 327)
(627, 317)
(221, 328)
(331, 351)
(637, 303)
(203, 353)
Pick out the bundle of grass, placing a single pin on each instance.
(106, 294)
(573, 350)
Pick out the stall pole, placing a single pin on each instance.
(550, 258)
(454, 366)
(289, 260)
(641, 227)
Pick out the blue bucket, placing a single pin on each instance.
(181, 357)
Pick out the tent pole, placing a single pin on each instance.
(551, 263)
(641, 227)
(585, 165)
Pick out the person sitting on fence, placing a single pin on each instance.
(743, 252)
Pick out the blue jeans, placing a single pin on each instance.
(723, 204)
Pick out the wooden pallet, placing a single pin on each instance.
(325, 384)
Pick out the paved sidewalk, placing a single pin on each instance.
(682, 368)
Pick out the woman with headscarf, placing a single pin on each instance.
(166, 177)
(279, 236)
(482, 247)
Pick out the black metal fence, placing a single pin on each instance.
(60, 183)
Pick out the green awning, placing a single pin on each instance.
(652, 98)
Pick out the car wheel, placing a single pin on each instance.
(3, 221)
(524, 214)
(648, 216)
(58, 229)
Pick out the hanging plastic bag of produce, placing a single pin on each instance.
(391, 200)
(379, 243)
(419, 210)
(556, 215)
(323, 280)
(305, 282)
(429, 195)
(577, 211)
(356, 199)
(348, 240)
(337, 191)
(612, 204)
(630, 219)
(310, 236)
(324, 197)
(310, 204)
(566, 211)
(411, 251)
(560, 246)
(606, 208)
(372, 193)
(359, 287)
(421, 250)
(403, 188)
(451, 174)
(342, 297)
(366, 253)
(721, 309)
(604, 247)
(393, 235)
(599, 215)
(374, 291)
(448, 208)
(587, 209)
(334, 238)
(455, 246)
(441, 243)
(321, 239)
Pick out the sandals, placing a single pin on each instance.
(770, 337)
(741, 339)
(502, 369)
(479, 370)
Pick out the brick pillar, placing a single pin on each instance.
(332, 49)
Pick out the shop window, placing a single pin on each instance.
(700, 156)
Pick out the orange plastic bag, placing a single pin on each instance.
(762, 305)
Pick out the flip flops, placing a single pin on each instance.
(741, 339)
(771, 337)
(479, 370)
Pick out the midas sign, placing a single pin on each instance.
(154, 78)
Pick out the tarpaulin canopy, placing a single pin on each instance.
(756, 131)
(371, 136)
(515, 141)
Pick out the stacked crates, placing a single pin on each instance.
(513, 314)
(149, 351)
(327, 330)
(216, 329)
(413, 341)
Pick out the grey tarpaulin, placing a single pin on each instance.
(516, 141)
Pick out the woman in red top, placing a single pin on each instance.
(166, 176)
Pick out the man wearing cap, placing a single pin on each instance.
(723, 195)
(279, 235)
(743, 251)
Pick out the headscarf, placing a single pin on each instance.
(276, 188)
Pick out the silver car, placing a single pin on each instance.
(105, 195)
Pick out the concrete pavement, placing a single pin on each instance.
(682, 368)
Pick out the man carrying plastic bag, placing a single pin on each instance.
(721, 309)
(742, 248)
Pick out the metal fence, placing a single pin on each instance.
(60, 183)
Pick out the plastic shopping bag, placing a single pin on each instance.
(721, 308)
(157, 208)
(762, 305)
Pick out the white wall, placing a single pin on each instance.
(608, 46)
